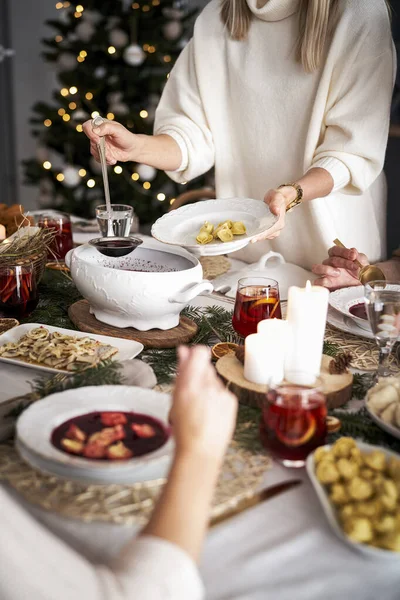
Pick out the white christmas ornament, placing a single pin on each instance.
(119, 109)
(71, 176)
(91, 16)
(172, 30)
(66, 61)
(114, 97)
(84, 31)
(95, 166)
(118, 38)
(134, 55)
(146, 172)
(99, 72)
(79, 115)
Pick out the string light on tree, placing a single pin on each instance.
(60, 177)
(146, 185)
(90, 183)
(118, 169)
(89, 96)
(64, 92)
(161, 197)
(47, 165)
(73, 90)
(135, 176)
(47, 122)
(82, 172)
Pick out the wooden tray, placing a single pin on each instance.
(337, 388)
(156, 338)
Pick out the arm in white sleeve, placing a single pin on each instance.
(180, 114)
(35, 564)
(356, 121)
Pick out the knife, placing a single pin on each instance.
(255, 499)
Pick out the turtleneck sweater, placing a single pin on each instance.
(249, 109)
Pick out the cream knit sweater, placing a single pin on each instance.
(250, 109)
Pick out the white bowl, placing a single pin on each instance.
(36, 424)
(181, 226)
(344, 299)
(151, 299)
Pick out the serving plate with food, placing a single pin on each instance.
(59, 350)
(350, 303)
(214, 227)
(107, 434)
(383, 405)
(358, 485)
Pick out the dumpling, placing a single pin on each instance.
(207, 227)
(225, 235)
(219, 228)
(380, 398)
(388, 415)
(238, 228)
(204, 238)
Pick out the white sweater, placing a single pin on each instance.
(250, 109)
(35, 565)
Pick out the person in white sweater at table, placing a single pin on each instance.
(160, 564)
(291, 93)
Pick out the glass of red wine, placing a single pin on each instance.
(18, 291)
(60, 224)
(257, 298)
(293, 422)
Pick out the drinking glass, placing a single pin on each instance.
(116, 224)
(257, 298)
(293, 422)
(18, 291)
(382, 302)
(60, 223)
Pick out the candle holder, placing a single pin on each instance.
(293, 422)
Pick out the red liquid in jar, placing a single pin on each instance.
(254, 304)
(18, 295)
(291, 428)
(62, 242)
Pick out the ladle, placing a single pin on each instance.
(116, 246)
(101, 146)
(366, 273)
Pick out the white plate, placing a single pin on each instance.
(345, 298)
(347, 324)
(36, 424)
(388, 427)
(330, 512)
(127, 349)
(181, 226)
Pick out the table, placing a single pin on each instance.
(282, 549)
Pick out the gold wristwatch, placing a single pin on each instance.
(299, 196)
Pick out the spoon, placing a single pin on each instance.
(97, 121)
(368, 272)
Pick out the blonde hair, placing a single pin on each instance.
(316, 21)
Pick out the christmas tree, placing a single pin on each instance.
(112, 59)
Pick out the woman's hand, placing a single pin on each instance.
(277, 201)
(203, 414)
(121, 144)
(340, 269)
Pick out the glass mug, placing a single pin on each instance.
(62, 242)
(257, 298)
(18, 291)
(116, 224)
(293, 422)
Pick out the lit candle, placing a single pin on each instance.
(2, 233)
(265, 352)
(306, 315)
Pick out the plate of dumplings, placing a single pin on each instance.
(214, 227)
(383, 405)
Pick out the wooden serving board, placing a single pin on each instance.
(80, 315)
(337, 388)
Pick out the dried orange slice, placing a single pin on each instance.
(264, 301)
(297, 430)
(222, 349)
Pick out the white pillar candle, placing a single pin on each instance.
(306, 315)
(265, 352)
(2, 233)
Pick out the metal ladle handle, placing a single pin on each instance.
(367, 273)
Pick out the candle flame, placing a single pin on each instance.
(308, 285)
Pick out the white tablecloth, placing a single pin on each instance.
(281, 549)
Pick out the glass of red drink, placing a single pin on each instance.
(257, 298)
(18, 291)
(293, 422)
(60, 223)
